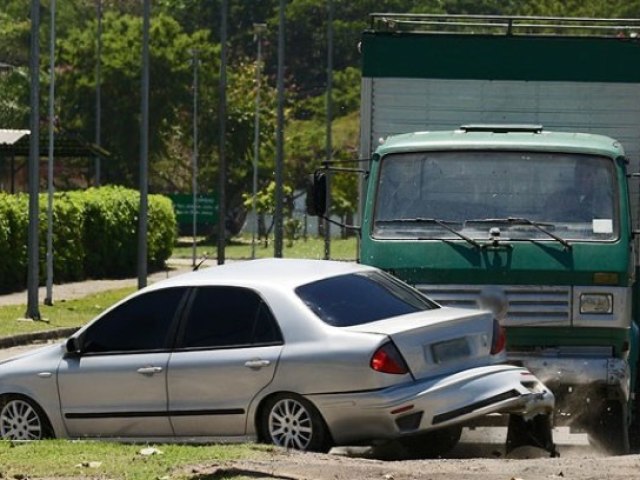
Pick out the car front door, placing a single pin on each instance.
(116, 385)
(227, 352)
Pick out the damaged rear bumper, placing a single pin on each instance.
(426, 405)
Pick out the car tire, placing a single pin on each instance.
(23, 419)
(432, 444)
(290, 421)
(609, 431)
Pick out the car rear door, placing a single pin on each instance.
(228, 349)
(116, 386)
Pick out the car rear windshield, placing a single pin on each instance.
(360, 298)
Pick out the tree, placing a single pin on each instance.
(241, 96)
(121, 70)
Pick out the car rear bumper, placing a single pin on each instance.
(435, 403)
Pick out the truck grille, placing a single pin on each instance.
(528, 304)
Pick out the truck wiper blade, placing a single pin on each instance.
(525, 221)
(441, 223)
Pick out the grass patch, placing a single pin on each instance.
(63, 458)
(240, 249)
(64, 313)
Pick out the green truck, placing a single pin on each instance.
(495, 175)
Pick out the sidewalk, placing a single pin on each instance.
(69, 291)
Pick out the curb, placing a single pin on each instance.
(27, 338)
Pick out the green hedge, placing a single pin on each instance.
(13, 241)
(94, 235)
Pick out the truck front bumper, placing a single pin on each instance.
(593, 378)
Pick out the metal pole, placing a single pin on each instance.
(98, 90)
(13, 174)
(144, 151)
(280, 135)
(194, 180)
(329, 146)
(33, 311)
(222, 174)
(48, 300)
(258, 29)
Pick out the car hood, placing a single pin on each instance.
(439, 341)
(44, 354)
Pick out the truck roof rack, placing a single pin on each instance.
(501, 128)
(506, 25)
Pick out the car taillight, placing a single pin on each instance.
(499, 340)
(387, 359)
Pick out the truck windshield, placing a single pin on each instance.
(475, 192)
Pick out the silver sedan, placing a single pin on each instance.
(302, 354)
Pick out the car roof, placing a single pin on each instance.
(289, 273)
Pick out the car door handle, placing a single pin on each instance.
(257, 363)
(149, 370)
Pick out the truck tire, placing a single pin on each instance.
(609, 431)
(536, 432)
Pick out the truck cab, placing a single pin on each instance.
(534, 225)
(496, 177)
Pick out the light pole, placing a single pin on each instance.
(329, 146)
(222, 174)
(259, 29)
(280, 135)
(144, 151)
(48, 300)
(33, 311)
(194, 179)
(98, 88)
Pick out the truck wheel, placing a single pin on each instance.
(536, 432)
(609, 431)
(634, 435)
(432, 444)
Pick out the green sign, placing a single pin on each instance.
(206, 209)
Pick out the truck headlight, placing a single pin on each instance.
(597, 303)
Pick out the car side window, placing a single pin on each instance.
(222, 317)
(140, 324)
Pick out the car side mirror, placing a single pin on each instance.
(73, 346)
(317, 194)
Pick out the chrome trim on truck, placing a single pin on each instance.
(529, 305)
(540, 305)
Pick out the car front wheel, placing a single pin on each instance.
(21, 419)
(290, 421)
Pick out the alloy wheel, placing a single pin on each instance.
(20, 421)
(290, 424)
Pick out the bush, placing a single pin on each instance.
(13, 241)
(68, 249)
(110, 231)
(162, 232)
(95, 234)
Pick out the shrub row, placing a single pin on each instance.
(94, 235)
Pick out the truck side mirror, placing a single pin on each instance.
(317, 194)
